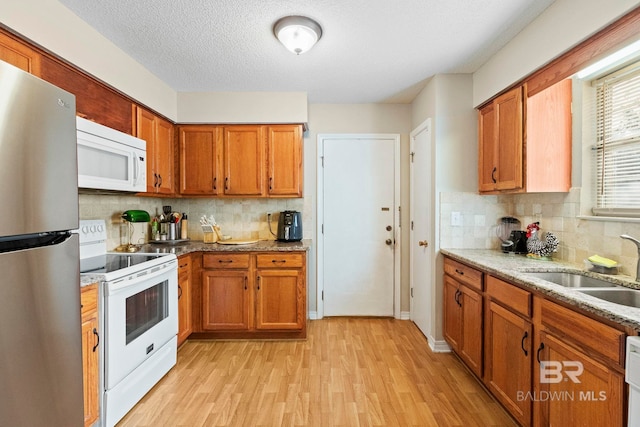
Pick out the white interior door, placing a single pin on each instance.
(359, 225)
(421, 253)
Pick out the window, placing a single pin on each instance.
(617, 149)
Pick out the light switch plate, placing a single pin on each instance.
(456, 219)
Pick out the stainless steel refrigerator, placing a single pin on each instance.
(40, 325)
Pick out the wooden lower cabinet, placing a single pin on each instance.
(90, 343)
(259, 295)
(508, 355)
(596, 400)
(463, 322)
(185, 325)
(547, 364)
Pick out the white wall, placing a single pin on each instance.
(447, 100)
(53, 26)
(242, 107)
(564, 24)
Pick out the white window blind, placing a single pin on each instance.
(617, 149)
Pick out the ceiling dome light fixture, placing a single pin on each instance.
(297, 33)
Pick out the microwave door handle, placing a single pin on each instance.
(136, 174)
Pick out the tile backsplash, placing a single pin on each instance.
(238, 218)
(556, 212)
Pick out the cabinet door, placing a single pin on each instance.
(145, 129)
(596, 400)
(90, 353)
(244, 151)
(471, 312)
(280, 299)
(549, 139)
(19, 55)
(284, 165)
(184, 298)
(226, 300)
(508, 112)
(487, 166)
(508, 360)
(452, 318)
(164, 159)
(200, 148)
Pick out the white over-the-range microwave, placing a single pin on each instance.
(109, 159)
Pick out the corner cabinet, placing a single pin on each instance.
(159, 134)
(90, 353)
(525, 141)
(241, 160)
(253, 295)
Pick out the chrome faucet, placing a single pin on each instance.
(637, 242)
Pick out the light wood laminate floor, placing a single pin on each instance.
(349, 372)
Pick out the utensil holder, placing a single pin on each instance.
(210, 237)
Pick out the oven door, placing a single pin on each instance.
(141, 315)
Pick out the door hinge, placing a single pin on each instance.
(322, 160)
(322, 228)
(411, 292)
(412, 154)
(411, 225)
(399, 216)
(322, 296)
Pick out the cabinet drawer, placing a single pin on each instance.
(509, 295)
(279, 260)
(463, 273)
(225, 260)
(89, 300)
(584, 331)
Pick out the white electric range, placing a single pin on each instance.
(139, 314)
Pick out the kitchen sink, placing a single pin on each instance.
(620, 295)
(572, 280)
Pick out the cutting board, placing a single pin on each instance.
(237, 241)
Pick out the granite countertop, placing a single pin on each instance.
(184, 248)
(514, 268)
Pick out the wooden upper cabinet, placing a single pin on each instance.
(500, 143)
(548, 139)
(243, 160)
(512, 160)
(200, 158)
(284, 160)
(19, 54)
(158, 133)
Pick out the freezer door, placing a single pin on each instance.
(40, 337)
(38, 166)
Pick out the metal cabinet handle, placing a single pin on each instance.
(215, 183)
(226, 183)
(258, 282)
(160, 183)
(457, 297)
(225, 261)
(538, 352)
(460, 272)
(270, 183)
(524, 337)
(95, 332)
(493, 176)
(179, 291)
(155, 179)
(246, 279)
(279, 261)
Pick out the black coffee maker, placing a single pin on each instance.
(517, 243)
(290, 226)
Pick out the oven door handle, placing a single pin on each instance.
(119, 285)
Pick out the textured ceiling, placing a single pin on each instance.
(370, 51)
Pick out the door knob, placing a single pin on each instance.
(389, 228)
(423, 243)
(388, 241)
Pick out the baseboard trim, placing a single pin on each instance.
(313, 315)
(405, 315)
(438, 346)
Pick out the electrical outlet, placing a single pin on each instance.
(456, 219)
